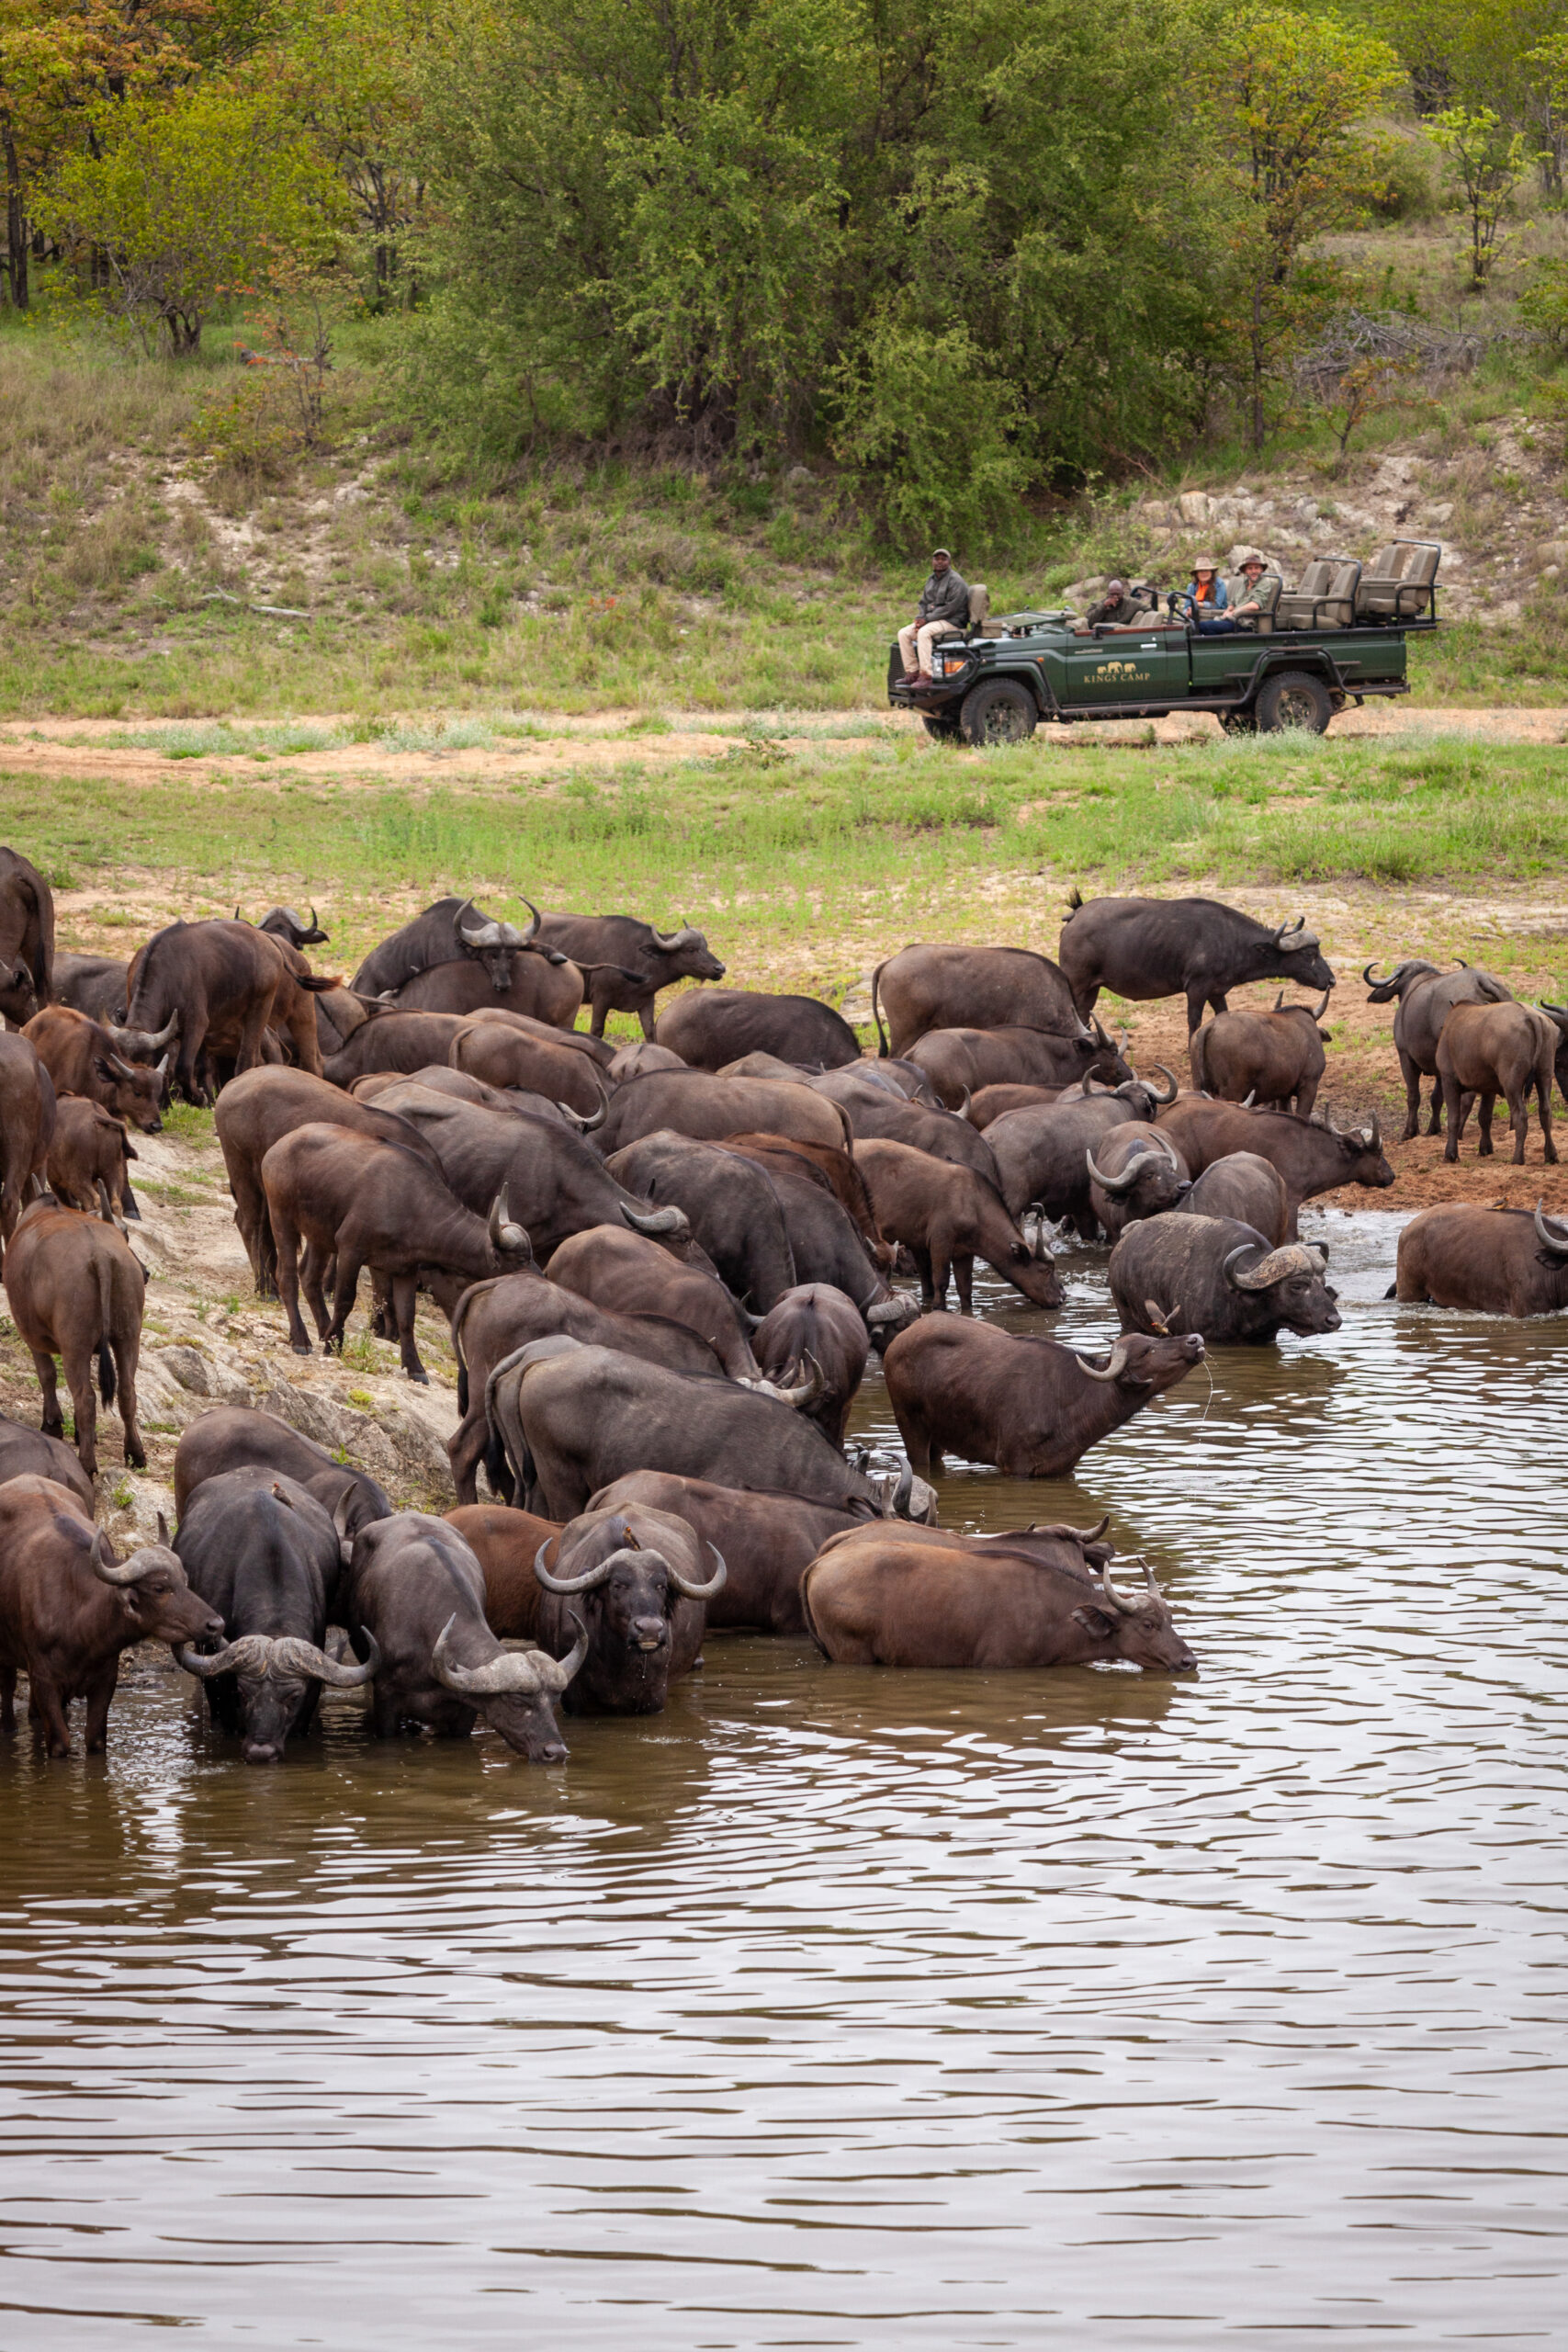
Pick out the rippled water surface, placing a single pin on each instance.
(842, 2008)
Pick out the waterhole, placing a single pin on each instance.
(848, 2008)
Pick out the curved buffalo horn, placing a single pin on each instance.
(1114, 1368)
(1374, 1133)
(1286, 930)
(887, 1310)
(1367, 975)
(250, 1655)
(1544, 1230)
(1128, 1604)
(534, 927)
(655, 1221)
(1248, 1100)
(305, 1658)
(584, 1583)
(808, 1392)
(1087, 1534)
(1274, 1266)
(1280, 1002)
(586, 1122)
(341, 1511)
(1086, 1086)
(708, 1591)
(1322, 1006)
(1114, 1185)
(1100, 1036)
(508, 1671)
(1156, 1136)
(899, 1503)
(262, 1657)
(503, 1234)
(141, 1563)
(1557, 1013)
(487, 934)
(120, 1067)
(963, 1111)
(1172, 1090)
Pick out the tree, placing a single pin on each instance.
(188, 197)
(1487, 163)
(348, 65)
(1283, 94)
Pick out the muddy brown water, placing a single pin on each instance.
(844, 2008)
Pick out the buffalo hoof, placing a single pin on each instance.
(300, 1347)
(137, 1461)
(420, 1379)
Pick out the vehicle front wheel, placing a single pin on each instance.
(943, 727)
(1239, 722)
(1295, 698)
(997, 712)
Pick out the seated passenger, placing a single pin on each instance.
(1117, 608)
(1205, 599)
(1247, 614)
(943, 611)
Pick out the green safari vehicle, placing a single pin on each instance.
(1338, 636)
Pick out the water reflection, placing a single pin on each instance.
(837, 2009)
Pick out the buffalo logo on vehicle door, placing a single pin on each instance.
(1120, 674)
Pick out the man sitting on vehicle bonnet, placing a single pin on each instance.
(942, 609)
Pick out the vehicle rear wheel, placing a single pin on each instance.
(1295, 698)
(943, 725)
(997, 712)
(1239, 722)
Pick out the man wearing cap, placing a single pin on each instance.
(942, 609)
(1117, 608)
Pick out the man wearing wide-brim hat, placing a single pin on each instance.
(943, 608)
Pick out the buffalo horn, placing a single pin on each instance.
(141, 1563)
(669, 941)
(586, 1122)
(1114, 1185)
(902, 1492)
(508, 1671)
(340, 1510)
(1322, 1006)
(963, 1106)
(887, 1310)
(1086, 1087)
(1557, 1013)
(655, 1221)
(503, 1233)
(1367, 975)
(1274, 1266)
(1128, 1604)
(1172, 1090)
(807, 1392)
(584, 1583)
(708, 1591)
(1280, 1002)
(536, 926)
(1544, 1230)
(120, 1067)
(1113, 1369)
(1085, 1534)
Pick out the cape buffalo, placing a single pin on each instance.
(971, 987)
(708, 1027)
(90, 1147)
(1427, 997)
(395, 1091)
(765, 1539)
(503, 1056)
(816, 1325)
(414, 1601)
(225, 982)
(1137, 1172)
(68, 1608)
(95, 985)
(1311, 1159)
(27, 925)
(630, 1273)
(961, 1062)
(1193, 947)
(495, 1318)
(28, 1454)
(876, 1115)
(232, 1437)
(1492, 1049)
(827, 1242)
(258, 1110)
(18, 998)
(994, 1102)
(1275, 1058)
(1245, 1186)
(446, 934)
(376, 1205)
(1211, 1275)
(1496, 1262)
(75, 1290)
(639, 1582)
(626, 962)
(1029, 1406)
(551, 993)
(27, 1115)
(696, 1103)
(1045, 1596)
(574, 1419)
(81, 1057)
(403, 1041)
(731, 1202)
(636, 1062)
(266, 1556)
(946, 1217)
(1041, 1155)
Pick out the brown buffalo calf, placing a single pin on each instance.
(1492, 1049)
(68, 1608)
(90, 1147)
(27, 1114)
(81, 1057)
(77, 1291)
(506, 1543)
(946, 1217)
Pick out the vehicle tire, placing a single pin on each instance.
(942, 725)
(1239, 722)
(997, 713)
(1295, 698)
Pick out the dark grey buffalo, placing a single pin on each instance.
(95, 985)
(263, 1551)
(1211, 1275)
(765, 1540)
(1137, 1172)
(413, 1596)
(232, 1437)
(709, 1027)
(1311, 1158)
(26, 934)
(815, 1324)
(827, 1243)
(288, 922)
(446, 934)
(1495, 1261)
(1197, 948)
(641, 1584)
(731, 1203)
(1041, 1154)
(626, 963)
(928, 988)
(1244, 1185)
(960, 1062)
(28, 1454)
(1427, 997)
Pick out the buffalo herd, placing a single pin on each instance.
(665, 1265)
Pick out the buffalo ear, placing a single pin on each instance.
(1094, 1621)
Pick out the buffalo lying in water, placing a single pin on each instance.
(920, 1597)
(767, 1539)
(1029, 1406)
(1213, 1275)
(1197, 948)
(1495, 1261)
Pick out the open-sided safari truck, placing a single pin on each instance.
(1339, 636)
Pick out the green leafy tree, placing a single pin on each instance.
(1486, 161)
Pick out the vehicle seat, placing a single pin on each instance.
(1375, 595)
(1324, 597)
(1413, 596)
(979, 607)
(1338, 609)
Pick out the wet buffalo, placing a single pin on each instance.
(26, 932)
(1042, 1155)
(1495, 1261)
(95, 985)
(639, 1583)
(1029, 1406)
(361, 1203)
(1211, 1275)
(708, 1027)
(1311, 1159)
(1045, 1596)
(961, 1062)
(414, 1601)
(450, 931)
(1143, 948)
(1492, 1049)
(816, 1326)
(28, 1454)
(233, 1437)
(696, 1102)
(90, 1147)
(1137, 1172)
(1274, 1059)
(76, 1290)
(827, 1243)
(631, 1273)
(626, 963)
(929, 988)
(27, 1114)
(1245, 1186)
(946, 1217)
(1427, 997)
(68, 1608)
(81, 1057)
(267, 1556)
(766, 1540)
(731, 1202)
